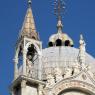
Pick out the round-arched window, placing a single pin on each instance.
(50, 44)
(31, 52)
(67, 43)
(58, 42)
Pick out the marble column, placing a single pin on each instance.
(15, 68)
(24, 61)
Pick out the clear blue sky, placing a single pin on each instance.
(79, 18)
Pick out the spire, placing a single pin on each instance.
(82, 43)
(59, 8)
(28, 28)
(82, 51)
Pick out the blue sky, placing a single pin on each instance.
(79, 18)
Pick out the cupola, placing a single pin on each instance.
(60, 38)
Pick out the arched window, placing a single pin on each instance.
(72, 45)
(31, 52)
(50, 44)
(67, 43)
(58, 42)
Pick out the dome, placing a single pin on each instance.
(64, 57)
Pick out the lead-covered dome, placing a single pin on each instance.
(66, 59)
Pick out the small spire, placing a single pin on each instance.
(59, 8)
(82, 42)
(29, 28)
(82, 51)
(29, 3)
(81, 37)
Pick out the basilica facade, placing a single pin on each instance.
(59, 69)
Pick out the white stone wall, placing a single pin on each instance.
(31, 90)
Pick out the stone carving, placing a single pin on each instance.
(71, 84)
(82, 43)
(50, 78)
(58, 74)
(68, 72)
(82, 52)
(41, 87)
(84, 76)
(76, 69)
(29, 65)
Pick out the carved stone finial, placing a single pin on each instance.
(82, 52)
(82, 42)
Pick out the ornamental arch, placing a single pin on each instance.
(66, 87)
(75, 91)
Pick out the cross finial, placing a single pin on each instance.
(29, 3)
(59, 8)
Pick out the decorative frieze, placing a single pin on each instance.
(72, 84)
(50, 80)
(68, 72)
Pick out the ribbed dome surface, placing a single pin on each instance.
(63, 57)
(65, 54)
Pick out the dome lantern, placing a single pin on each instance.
(60, 38)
